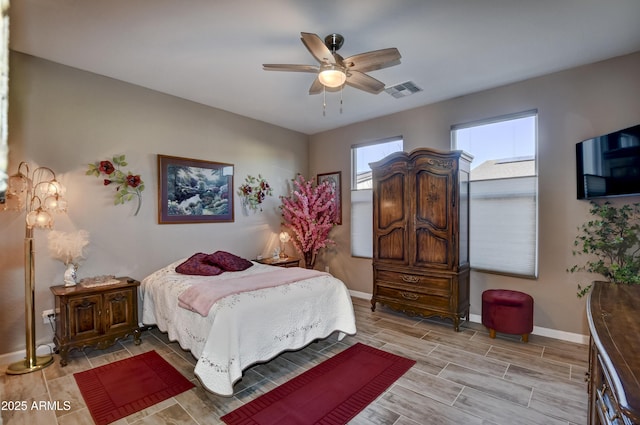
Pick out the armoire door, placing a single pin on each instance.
(434, 222)
(390, 219)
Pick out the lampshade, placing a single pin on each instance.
(55, 203)
(39, 218)
(332, 76)
(48, 188)
(13, 202)
(18, 184)
(284, 237)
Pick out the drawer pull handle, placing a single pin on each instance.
(604, 408)
(600, 397)
(409, 296)
(409, 279)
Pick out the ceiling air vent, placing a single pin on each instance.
(403, 89)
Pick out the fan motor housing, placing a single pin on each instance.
(334, 42)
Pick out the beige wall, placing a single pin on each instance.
(64, 118)
(572, 106)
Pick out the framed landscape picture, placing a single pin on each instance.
(194, 191)
(334, 178)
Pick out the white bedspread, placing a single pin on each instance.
(246, 328)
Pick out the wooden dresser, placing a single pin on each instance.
(95, 316)
(421, 233)
(614, 354)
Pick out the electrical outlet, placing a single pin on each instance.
(46, 314)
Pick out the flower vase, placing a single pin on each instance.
(309, 260)
(70, 275)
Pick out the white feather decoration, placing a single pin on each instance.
(68, 247)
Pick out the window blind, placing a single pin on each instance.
(362, 223)
(503, 225)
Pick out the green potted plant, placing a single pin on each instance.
(611, 240)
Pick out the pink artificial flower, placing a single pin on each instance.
(310, 213)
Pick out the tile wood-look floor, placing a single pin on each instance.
(459, 378)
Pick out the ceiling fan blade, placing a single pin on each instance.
(316, 87)
(364, 82)
(317, 48)
(289, 67)
(370, 61)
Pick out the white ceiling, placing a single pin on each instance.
(212, 51)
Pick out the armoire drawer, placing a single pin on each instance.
(439, 284)
(409, 297)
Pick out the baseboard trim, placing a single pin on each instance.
(16, 356)
(537, 330)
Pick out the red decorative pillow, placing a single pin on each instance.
(228, 262)
(197, 264)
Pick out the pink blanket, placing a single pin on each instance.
(201, 297)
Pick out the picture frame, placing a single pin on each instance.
(194, 191)
(336, 178)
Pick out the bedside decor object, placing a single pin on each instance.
(253, 192)
(310, 213)
(194, 191)
(71, 275)
(91, 282)
(68, 248)
(284, 238)
(128, 185)
(335, 179)
(279, 262)
(40, 194)
(611, 238)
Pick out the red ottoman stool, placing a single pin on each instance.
(507, 311)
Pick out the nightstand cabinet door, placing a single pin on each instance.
(119, 310)
(84, 317)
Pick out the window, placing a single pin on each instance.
(4, 93)
(362, 194)
(504, 193)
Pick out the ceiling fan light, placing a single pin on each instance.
(332, 76)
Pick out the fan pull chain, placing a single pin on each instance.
(324, 101)
(341, 90)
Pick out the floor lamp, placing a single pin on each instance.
(39, 194)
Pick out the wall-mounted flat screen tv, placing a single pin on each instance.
(609, 165)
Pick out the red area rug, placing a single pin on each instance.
(330, 393)
(121, 388)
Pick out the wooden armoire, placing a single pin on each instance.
(421, 233)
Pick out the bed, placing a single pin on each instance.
(247, 327)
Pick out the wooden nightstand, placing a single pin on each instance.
(95, 316)
(280, 262)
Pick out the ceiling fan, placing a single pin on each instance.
(334, 71)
